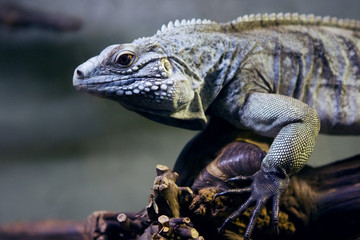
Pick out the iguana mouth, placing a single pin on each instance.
(103, 80)
(149, 87)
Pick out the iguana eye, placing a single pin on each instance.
(125, 59)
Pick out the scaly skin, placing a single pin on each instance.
(279, 76)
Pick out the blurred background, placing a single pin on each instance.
(64, 154)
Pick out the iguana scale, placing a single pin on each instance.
(278, 75)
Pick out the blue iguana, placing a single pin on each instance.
(278, 75)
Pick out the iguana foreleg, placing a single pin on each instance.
(295, 127)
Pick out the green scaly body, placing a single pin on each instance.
(278, 75)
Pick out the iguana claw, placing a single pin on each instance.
(264, 186)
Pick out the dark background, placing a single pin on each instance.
(64, 154)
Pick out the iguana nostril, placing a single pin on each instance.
(79, 74)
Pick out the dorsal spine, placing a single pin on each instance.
(248, 22)
(183, 23)
(252, 20)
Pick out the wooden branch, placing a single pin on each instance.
(321, 203)
(43, 230)
(15, 16)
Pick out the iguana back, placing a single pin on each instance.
(316, 64)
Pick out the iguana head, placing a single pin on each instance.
(144, 77)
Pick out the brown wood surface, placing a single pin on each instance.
(321, 203)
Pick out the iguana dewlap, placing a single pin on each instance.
(279, 75)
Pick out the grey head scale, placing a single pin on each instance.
(145, 76)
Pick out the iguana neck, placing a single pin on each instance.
(213, 61)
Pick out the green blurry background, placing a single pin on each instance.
(64, 154)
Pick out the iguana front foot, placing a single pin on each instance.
(264, 186)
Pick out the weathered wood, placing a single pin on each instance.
(16, 16)
(43, 230)
(321, 203)
(108, 225)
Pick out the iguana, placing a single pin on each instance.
(278, 75)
